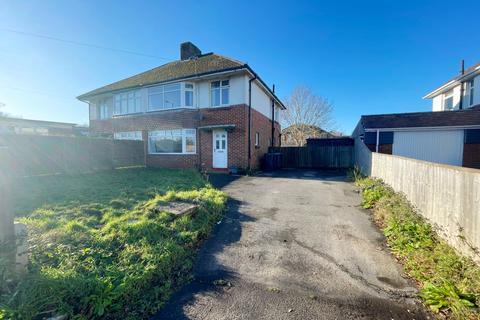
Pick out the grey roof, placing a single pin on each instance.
(466, 117)
(202, 65)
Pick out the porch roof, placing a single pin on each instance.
(228, 127)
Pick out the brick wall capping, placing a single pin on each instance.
(228, 127)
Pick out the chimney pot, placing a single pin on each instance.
(188, 51)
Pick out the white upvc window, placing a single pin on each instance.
(128, 135)
(128, 102)
(172, 141)
(448, 100)
(188, 95)
(103, 110)
(171, 96)
(472, 89)
(220, 93)
(257, 139)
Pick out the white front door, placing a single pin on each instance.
(220, 149)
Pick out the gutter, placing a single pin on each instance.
(272, 141)
(250, 120)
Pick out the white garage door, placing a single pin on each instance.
(444, 146)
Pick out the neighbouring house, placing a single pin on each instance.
(461, 92)
(449, 137)
(9, 125)
(450, 134)
(203, 111)
(298, 134)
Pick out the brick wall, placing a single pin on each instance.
(237, 138)
(263, 126)
(471, 155)
(236, 115)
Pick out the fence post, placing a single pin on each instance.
(7, 228)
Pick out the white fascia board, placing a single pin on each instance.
(423, 128)
(449, 85)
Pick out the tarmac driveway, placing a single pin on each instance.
(295, 245)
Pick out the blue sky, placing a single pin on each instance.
(366, 56)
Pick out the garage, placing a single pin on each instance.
(441, 146)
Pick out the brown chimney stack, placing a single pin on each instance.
(188, 51)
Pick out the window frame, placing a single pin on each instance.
(103, 112)
(136, 132)
(471, 91)
(182, 90)
(447, 95)
(185, 133)
(257, 139)
(221, 87)
(126, 97)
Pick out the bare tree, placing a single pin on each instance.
(306, 116)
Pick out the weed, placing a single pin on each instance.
(450, 283)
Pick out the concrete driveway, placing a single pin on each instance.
(295, 245)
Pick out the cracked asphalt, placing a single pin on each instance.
(295, 245)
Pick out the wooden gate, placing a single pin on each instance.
(327, 153)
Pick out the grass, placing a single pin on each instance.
(99, 249)
(449, 283)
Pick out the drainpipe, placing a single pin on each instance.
(272, 141)
(250, 119)
(462, 89)
(378, 141)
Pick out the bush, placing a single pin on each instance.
(449, 282)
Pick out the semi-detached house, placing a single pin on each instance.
(203, 111)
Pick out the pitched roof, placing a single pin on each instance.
(467, 73)
(468, 117)
(202, 65)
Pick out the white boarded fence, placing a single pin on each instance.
(448, 196)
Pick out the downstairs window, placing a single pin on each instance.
(172, 141)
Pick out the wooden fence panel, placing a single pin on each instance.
(316, 156)
(37, 155)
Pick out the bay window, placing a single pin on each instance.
(172, 141)
(103, 109)
(128, 102)
(170, 96)
(219, 93)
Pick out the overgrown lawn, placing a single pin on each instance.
(99, 248)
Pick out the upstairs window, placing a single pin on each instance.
(472, 88)
(128, 102)
(220, 93)
(103, 109)
(164, 97)
(448, 100)
(188, 95)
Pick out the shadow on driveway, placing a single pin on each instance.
(206, 267)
